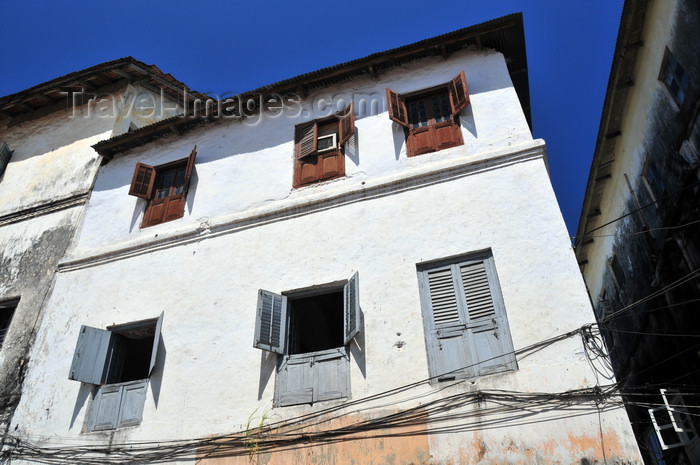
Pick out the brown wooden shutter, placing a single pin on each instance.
(143, 180)
(305, 139)
(459, 93)
(346, 123)
(397, 107)
(190, 168)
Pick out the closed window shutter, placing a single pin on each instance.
(490, 342)
(448, 352)
(459, 93)
(133, 399)
(346, 124)
(90, 356)
(270, 323)
(351, 300)
(397, 108)
(104, 413)
(332, 375)
(305, 139)
(143, 181)
(156, 342)
(295, 381)
(190, 168)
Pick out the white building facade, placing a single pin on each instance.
(368, 267)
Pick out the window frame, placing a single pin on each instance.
(435, 135)
(313, 165)
(114, 404)
(144, 184)
(458, 334)
(668, 76)
(307, 378)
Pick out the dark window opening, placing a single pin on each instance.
(130, 357)
(675, 78)
(429, 109)
(316, 323)
(7, 310)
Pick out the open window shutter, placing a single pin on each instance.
(459, 93)
(190, 167)
(156, 340)
(346, 124)
(352, 307)
(305, 139)
(143, 181)
(397, 107)
(5, 155)
(270, 333)
(104, 413)
(90, 356)
(489, 339)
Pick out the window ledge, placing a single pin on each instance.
(334, 195)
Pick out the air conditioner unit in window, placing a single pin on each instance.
(327, 143)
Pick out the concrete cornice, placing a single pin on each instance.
(296, 206)
(43, 209)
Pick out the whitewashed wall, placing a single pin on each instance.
(245, 228)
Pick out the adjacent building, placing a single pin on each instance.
(638, 240)
(362, 264)
(47, 169)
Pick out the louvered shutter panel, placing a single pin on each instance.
(346, 123)
(90, 356)
(352, 307)
(305, 139)
(143, 181)
(459, 93)
(156, 342)
(490, 342)
(104, 412)
(190, 168)
(397, 108)
(447, 346)
(270, 323)
(133, 398)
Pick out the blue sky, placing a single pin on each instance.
(230, 47)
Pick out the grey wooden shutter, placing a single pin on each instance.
(351, 300)
(305, 139)
(156, 341)
(5, 155)
(143, 181)
(397, 108)
(104, 412)
(270, 322)
(331, 375)
(448, 353)
(90, 356)
(459, 93)
(294, 383)
(133, 398)
(489, 337)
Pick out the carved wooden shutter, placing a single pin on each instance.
(143, 181)
(351, 299)
(346, 124)
(397, 108)
(305, 139)
(270, 323)
(90, 356)
(459, 93)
